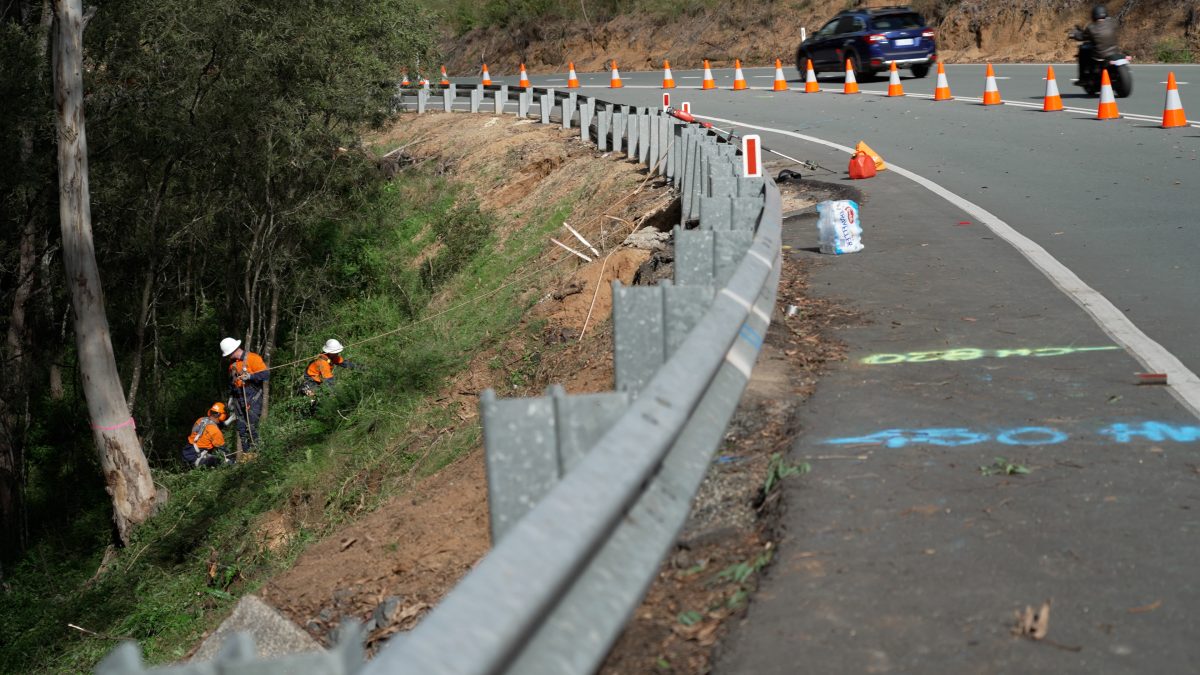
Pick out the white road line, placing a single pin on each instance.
(1155, 358)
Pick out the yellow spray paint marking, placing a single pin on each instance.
(971, 354)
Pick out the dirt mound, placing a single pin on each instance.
(758, 33)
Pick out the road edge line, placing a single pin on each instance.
(1181, 382)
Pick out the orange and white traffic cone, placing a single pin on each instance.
(615, 81)
(1053, 100)
(991, 93)
(668, 78)
(1108, 102)
(811, 86)
(709, 82)
(1173, 111)
(780, 80)
(894, 87)
(572, 78)
(942, 91)
(404, 82)
(524, 81)
(486, 78)
(739, 80)
(851, 86)
(445, 80)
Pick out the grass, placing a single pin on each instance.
(373, 438)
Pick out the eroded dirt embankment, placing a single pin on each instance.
(759, 32)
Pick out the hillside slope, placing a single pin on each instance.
(640, 35)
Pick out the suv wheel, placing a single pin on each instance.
(860, 74)
(921, 70)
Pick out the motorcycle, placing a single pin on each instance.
(1090, 67)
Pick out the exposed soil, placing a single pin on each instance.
(760, 32)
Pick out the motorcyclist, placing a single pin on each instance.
(1100, 34)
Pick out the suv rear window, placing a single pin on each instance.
(898, 21)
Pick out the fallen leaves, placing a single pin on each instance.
(1033, 624)
(1145, 608)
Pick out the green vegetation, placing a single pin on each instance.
(778, 469)
(1003, 467)
(367, 441)
(1172, 50)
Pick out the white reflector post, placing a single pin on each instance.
(666, 101)
(686, 107)
(752, 156)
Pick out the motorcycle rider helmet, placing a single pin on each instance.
(1099, 12)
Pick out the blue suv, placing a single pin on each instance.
(871, 39)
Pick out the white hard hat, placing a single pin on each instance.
(229, 346)
(332, 346)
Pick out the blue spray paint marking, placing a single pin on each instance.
(750, 335)
(953, 437)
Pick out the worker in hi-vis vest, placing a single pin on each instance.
(247, 374)
(319, 373)
(206, 444)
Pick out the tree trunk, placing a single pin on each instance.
(126, 472)
(269, 351)
(14, 396)
(135, 377)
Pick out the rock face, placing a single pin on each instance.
(273, 634)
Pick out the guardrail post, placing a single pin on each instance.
(693, 257)
(728, 250)
(603, 117)
(422, 100)
(664, 139)
(544, 107)
(644, 138)
(501, 98)
(620, 117)
(531, 443)
(750, 187)
(568, 111)
(716, 213)
(649, 323)
(448, 95)
(523, 103)
(631, 132)
(746, 212)
(652, 159)
(586, 108)
(476, 98)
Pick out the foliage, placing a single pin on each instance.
(1172, 50)
(779, 469)
(1003, 467)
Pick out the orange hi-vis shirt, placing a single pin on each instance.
(251, 363)
(206, 434)
(322, 368)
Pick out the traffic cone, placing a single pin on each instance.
(811, 86)
(894, 87)
(668, 78)
(1108, 102)
(486, 79)
(1053, 101)
(524, 81)
(942, 92)
(445, 80)
(709, 82)
(780, 80)
(572, 78)
(404, 82)
(1173, 111)
(851, 86)
(739, 80)
(615, 82)
(991, 93)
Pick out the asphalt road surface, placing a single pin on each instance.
(910, 545)
(1115, 201)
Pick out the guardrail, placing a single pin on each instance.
(588, 492)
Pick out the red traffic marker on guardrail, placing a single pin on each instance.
(752, 156)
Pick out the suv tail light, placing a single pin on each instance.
(877, 37)
(927, 33)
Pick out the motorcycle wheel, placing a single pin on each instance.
(1122, 81)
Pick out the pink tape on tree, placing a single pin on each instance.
(127, 423)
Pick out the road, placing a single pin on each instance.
(909, 547)
(1112, 200)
